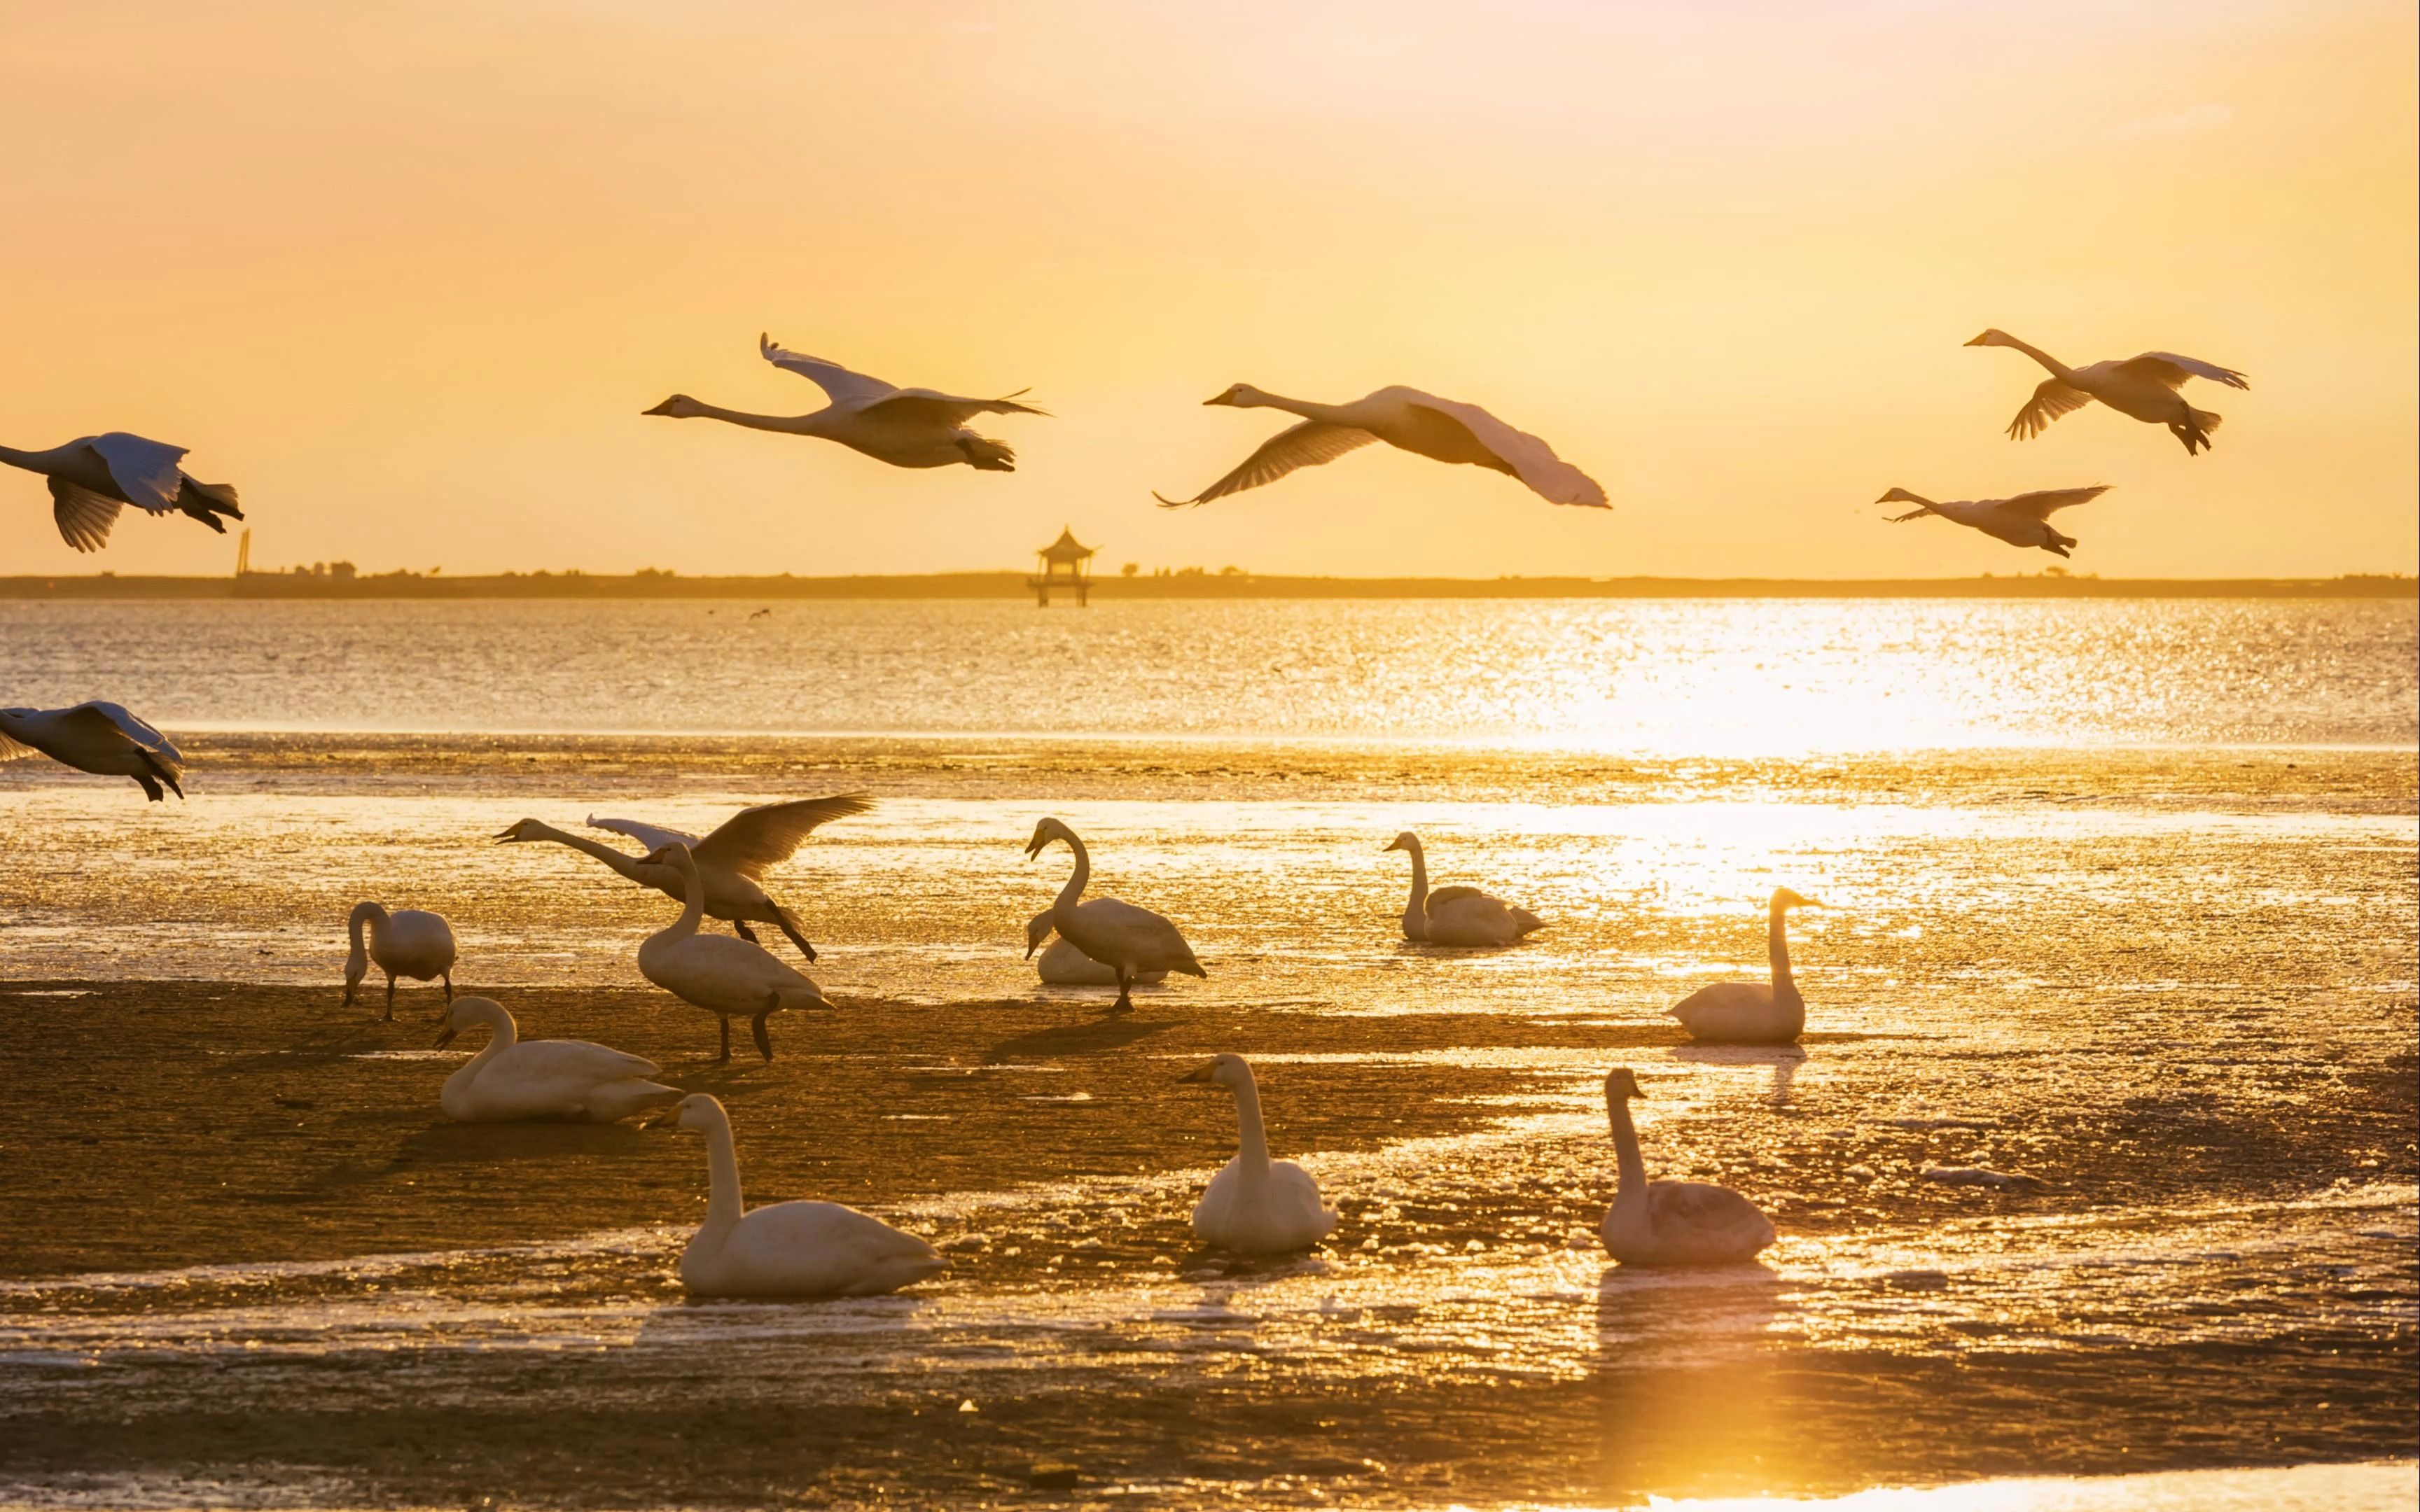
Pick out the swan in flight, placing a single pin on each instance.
(1752, 1012)
(1444, 429)
(2023, 520)
(729, 978)
(2149, 387)
(786, 1249)
(96, 737)
(1457, 916)
(732, 861)
(905, 428)
(511, 1079)
(1672, 1223)
(409, 942)
(1129, 941)
(1064, 966)
(1255, 1205)
(93, 477)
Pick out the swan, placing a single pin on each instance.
(510, 1079)
(725, 976)
(409, 942)
(2148, 387)
(93, 477)
(1130, 941)
(1672, 1223)
(1255, 1205)
(1064, 966)
(905, 428)
(786, 1249)
(2023, 520)
(1752, 1012)
(1457, 916)
(1444, 429)
(732, 861)
(96, 737)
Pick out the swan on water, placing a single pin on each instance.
(729, 978)
(2023, 520)
(93, 477)
(786, 1249)
(905, 428)
(409, 942)
(2149, 387)
(1672, 1223)
(511, 1078)
(1255, 1205)
(1062, 965)
(1443, 429)
(96, 737)
(1129, 941)
(1457, 916)
(1752, 1012)
(732, 861)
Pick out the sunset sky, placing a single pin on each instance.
(407, 275)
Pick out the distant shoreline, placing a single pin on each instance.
(1013, 585)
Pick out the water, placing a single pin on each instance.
(2118, 895)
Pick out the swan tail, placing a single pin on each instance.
(985, 455)
(206, 501)
(1528, 922)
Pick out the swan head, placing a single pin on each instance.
(1784, 898)
(1228, 1070)
(698, 1112)
(1900, 496)
(1037, 932)
(1620, 1085)
(469, 1012)
(1240, 395)
(676, 856)
(1043, 833)
(1405, 841)
(1994, 337)
(680, 407)
(519, 829)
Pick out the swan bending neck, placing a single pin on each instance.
(722, 1201)
(1077, 880)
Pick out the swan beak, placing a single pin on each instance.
(1391, 845)
(506, 836)
(1199, 1075)
(1976, 342)
(446, 1037)
(1887, 499)
(666, 407)
(1029, 947)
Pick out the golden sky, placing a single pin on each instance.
(405, 275)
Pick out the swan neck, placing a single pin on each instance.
(722, 1201)
(1415, 912)
(1630, 1185)
(2059, 369)
(1307, 409)
(357, 960)
(1778, 948)
(693, 903)
(787, 424)
(1077, 880)
(503, 1035)
(1251, 1137)
(31, 461)
(622, 861)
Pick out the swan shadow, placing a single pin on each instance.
(1078, 1039)
(1784, 1059)
(450, 1143)
(1220, 1273)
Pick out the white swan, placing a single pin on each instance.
(732, 861)
(93, 477)
(409, 942)
(1130, 941)
(1752, 1012)
(510, 1078)
(1062, 965)
(725, 976)
(1255, 1205)
(787, 1249)
(1446, 430)
(1672, 1223)
(1457, 916)
(905, 428)
(96, 737)
(2147, 387)
(2023, 520)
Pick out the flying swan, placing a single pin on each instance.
(1672, 1223)
(96, 737)
(1443, 429)
(2148, 387)
(1255, 1205)
(905, 428)
(2023, 520)
(93, 477)
(1752, 1012)
(1457, 916)
(1129, 941)
(409, 942)
(511, 1079)
(729, 978)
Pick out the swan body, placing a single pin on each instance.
(731, 863)
(1256, 1205)
(1672, 1223)
(1064, 966)
(511, 1078)
(787, 1249)
(2023, 520)
(1752, 1012)
(905, 428)
(1132, 942)
(408, 942)
(728, 978)
(1464, 916)
(93, 477)
(2149, 387)
(99, 738)
(1445, 430)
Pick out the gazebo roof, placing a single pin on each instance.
(1066, 548)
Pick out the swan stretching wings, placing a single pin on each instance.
(93, 477)
(732, 861)
(96, 737)
(1672, 1223)
(905, 428)
(1130, 941)
(2023, 520)
(1457, 916)
(512, 1078)
(1443, 429)
(2148, 387)
(1255, 1205)
(1752, 1012)
(725, 976)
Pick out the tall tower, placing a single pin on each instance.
(244, 553)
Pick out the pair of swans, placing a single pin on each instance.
(728, 978)
(1462, 917)
(97, 737)
(1255, 1205)
(731, 863)
(1672, 1223)
(1752, 1012)
(1132, 943)
(93, 477)
(406, 942)
(2149, 387)
(512, 1079)
(2022, 521)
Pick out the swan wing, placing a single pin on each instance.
(841, 385)
(145, 471)
(945, 410)
(771, 833)
(654, 837)
(1442, 896)
(2168, 369)
(1309, 444)
(1915, 514)
(1530, 458)
(1297, 1182)
(2050, 401)
(557, 1075)
(1703, 1212)
(1149, 940)
(83, 517)
(824, 1247)
(2042, 503)
(98, 720)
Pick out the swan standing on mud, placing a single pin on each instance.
(96, 737)
(1752, 1012)
(2149, 387)
(409, 942)
(728, 978)
(511, 1079)
(1128, 940)
(1672, 1223)
(1255, 1205)
(93, 477)
(1062, 965)
(2023, 520)
(1464, 916)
